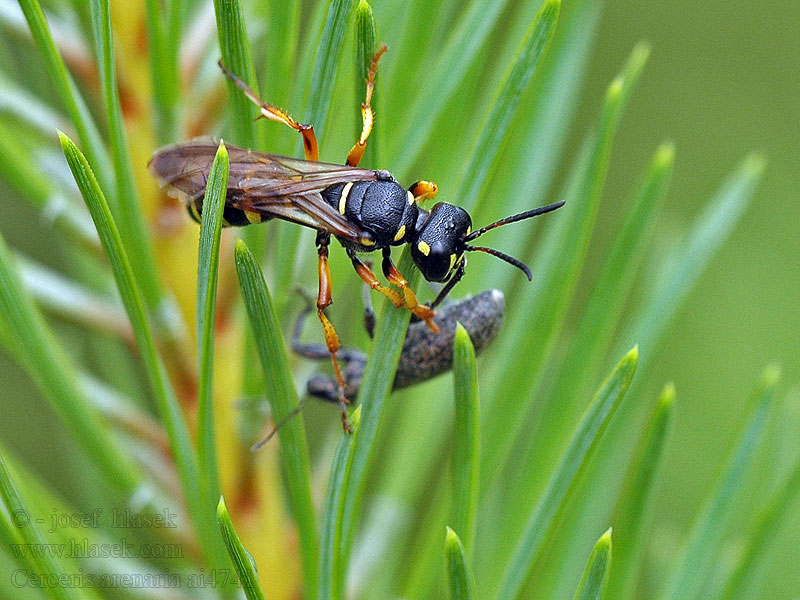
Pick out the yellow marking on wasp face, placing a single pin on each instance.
(452, 261)
(343, 197)
(410, 198)
(469, 229)
(400, 233)
(253, 217)
(424, 248)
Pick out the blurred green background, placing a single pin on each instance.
(723, 79)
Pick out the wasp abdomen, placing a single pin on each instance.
(231, 216)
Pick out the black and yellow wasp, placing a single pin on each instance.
(366, 210)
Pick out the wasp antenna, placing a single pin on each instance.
(514, 218)
(293, 413)
(502, 256)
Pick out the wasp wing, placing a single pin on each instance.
(277, 186)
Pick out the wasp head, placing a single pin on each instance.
(438, 245)
(443, 235)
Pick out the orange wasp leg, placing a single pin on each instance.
(372, 281)
(324, 300)
(422, 312)
(269, 111)
(367, 114)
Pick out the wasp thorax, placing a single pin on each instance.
(439, 243)
(381, 208)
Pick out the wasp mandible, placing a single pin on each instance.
(366, 210)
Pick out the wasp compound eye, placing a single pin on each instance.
(434, 261)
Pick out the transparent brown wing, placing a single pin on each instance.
(282, 187)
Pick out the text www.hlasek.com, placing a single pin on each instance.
(83, 548)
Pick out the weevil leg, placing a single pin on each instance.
(367, 114)
(269, 111)
(373, 282)
(317, 351)
(423, 190)
(331, 339)
(454, 279)
(424, 313)
(312, 351)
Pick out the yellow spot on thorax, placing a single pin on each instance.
(400, 233)
(424, 248)
(343, 197)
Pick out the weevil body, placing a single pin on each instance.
(425, 355)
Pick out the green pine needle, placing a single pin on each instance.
(604, 308)
(329, 51)
(682, 270)
(208, 267)
(166, 401)
(698, 556)
(636, 497)
(332, 566)
(497, 123)
(279, 387)
(163, 69)
(126, 208)
(366, 46)
(44, 566)
(742, 578)
(459, 575)
(32, 343)
(242, 560)
(237, 56)
(466, 437)
(67, 92)
(452, 64)
(375, 387)
(595, 576)
(572, 464)
(556, 268)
